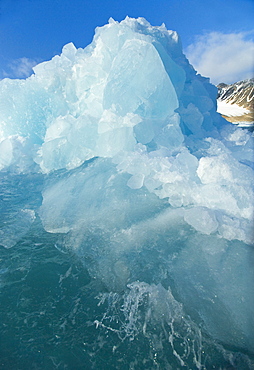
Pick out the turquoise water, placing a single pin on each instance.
(56, 315)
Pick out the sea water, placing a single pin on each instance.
(58, 309)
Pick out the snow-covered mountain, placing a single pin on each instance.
(236, 102)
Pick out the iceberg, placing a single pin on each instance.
(138, 176)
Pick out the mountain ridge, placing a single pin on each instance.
(236, 101)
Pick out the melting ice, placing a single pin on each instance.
(145, 182)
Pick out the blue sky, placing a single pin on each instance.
(217, 35)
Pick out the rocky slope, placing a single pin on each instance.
(236, 102)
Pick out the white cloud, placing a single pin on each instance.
(20, 68)
(223, 57)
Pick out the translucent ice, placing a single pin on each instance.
(201, 219)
